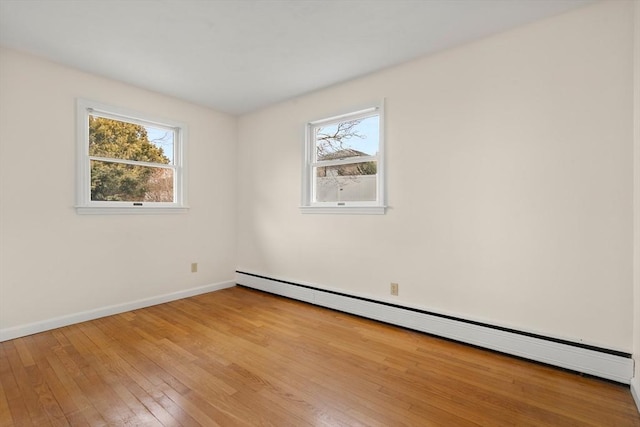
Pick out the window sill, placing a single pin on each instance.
(126, 210)
(348, 210)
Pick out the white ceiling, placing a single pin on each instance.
(239, 56)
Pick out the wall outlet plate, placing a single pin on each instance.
(394, 289)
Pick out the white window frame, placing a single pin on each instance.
(84, 204)
(308, 204)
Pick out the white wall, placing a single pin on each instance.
(510, 183)
(54, 262)
(518, 147)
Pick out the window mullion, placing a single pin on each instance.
(132, 162)
(341, 162)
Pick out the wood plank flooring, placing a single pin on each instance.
(239, 357)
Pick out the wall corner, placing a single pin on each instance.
(635, 381)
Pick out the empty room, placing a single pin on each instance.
(320, 213)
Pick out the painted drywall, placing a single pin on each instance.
(54, 262)
(510, 183)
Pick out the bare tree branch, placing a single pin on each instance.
(328, 143)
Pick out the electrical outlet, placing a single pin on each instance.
(394, 289)
(194, 267)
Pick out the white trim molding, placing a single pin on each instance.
(603, 363)
(136, 210)
(58, 322)
(348, 210)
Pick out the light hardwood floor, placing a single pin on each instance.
(242, 357)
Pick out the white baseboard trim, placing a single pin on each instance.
(635, 391)
(58, 322)
(603, 363)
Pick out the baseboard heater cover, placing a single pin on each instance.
(604, 363)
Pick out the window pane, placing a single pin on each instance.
(130, 183)
(122, 140)
(348, 139)
(356, 182)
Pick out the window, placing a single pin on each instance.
(343, 164)
(128, 162)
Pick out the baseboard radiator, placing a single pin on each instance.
(600, 362)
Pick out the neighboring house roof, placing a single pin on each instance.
(342, 154)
